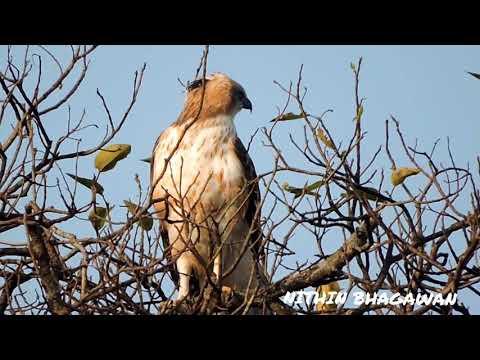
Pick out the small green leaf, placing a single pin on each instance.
(359, 113)
(88, 183)
(291, 189)
(108, 157)
(132, 208)
(354, 68)
(98, 217)
(324, 139)
(314, 186)
(289, 116)
(475, 75)
(367, 193)
(145, 221)
(308, 189)
(399, 175)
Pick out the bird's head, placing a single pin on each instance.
(222, 95)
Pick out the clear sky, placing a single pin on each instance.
(424, 87)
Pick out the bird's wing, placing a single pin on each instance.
(164, 224)
(253, 201)
(152, 162)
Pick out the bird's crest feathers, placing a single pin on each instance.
(199, 82)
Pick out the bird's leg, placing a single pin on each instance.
(217, 268)
(185, 271)
(226, 291)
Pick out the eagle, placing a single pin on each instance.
(206, 193)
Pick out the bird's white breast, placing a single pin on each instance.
(205, 165)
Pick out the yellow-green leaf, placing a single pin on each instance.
(289, 116)
(324, 139)
(359, 113)
(108, 157)
(308, 189)
(291, 189)
(132, 208)
(314, 186)
(367, 193)
(98, 217)
(88, 183)
(145, 221)
(399, 175)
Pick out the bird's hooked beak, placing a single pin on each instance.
(247, 104)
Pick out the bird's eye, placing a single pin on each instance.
(241, 95)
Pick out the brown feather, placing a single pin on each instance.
(219, 98)
(253, 200)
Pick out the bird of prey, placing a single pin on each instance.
(205, 192)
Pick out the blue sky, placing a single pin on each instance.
(424, 87)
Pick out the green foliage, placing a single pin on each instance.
(91, 184)
(98, 217)
(289, 116)
(367, 193)
(145, 221)
(358, 117)
(399, 175)
(324, 139)
(108, 157)
(308, 189)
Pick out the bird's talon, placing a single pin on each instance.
(227, 294)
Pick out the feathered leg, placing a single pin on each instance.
(185, 271)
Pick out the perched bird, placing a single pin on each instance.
(205, 180)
